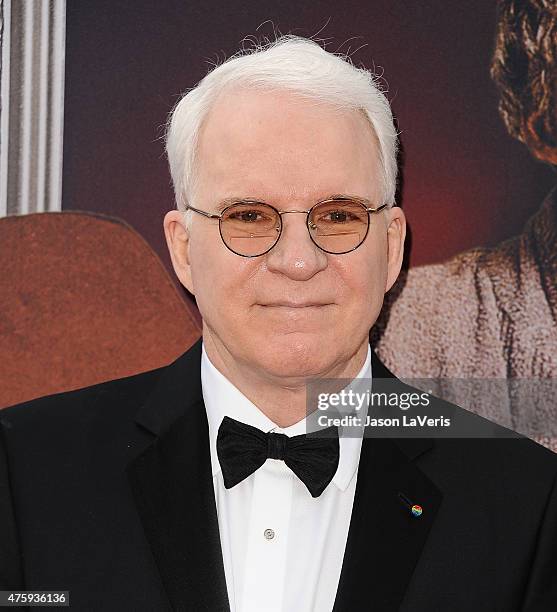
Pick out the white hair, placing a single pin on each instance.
(290, 63)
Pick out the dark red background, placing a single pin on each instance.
(465, 181)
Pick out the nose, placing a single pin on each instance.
(295, 255)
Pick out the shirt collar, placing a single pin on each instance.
(222, 399)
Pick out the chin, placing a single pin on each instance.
(295, 354)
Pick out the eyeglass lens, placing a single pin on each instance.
(253, 229)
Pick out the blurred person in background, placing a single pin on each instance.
(481, 328)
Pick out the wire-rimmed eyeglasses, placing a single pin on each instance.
(337, 225)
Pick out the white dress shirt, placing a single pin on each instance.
(282, 549)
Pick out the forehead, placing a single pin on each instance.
(279, 144)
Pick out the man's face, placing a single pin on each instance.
(295, 311)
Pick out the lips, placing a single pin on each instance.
(296, 304)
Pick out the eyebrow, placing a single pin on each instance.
(233, 200)
(239, 200)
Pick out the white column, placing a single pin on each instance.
(31, 105)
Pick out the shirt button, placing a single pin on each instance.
(269, 534)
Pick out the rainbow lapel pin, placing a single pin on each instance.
(415, 509)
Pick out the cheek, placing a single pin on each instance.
(222, 281)
(363, 280)
(208, 266)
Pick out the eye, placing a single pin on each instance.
(336, 216)
(247, 216)
(339, 216)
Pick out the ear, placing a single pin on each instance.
(178, 242)
(396, 234)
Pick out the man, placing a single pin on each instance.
(193, 486)
(492, 312)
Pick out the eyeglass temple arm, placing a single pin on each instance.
(202, 212)
(377, 209)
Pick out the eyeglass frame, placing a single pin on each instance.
(362, 201)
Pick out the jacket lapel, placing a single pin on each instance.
(385, 539)
(172, 486)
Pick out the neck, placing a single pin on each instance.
(281, 399)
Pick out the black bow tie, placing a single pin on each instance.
(242, 449)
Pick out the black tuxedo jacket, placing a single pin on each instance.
(107, 492)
